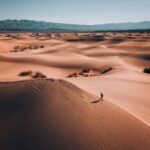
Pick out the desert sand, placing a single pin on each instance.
(58, 107)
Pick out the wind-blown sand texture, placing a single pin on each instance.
(59, 112)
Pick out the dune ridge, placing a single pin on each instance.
(55, 114)
(63, 111)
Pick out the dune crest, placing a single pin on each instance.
(55, 114)
(62, 110)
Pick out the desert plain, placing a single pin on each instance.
(50, 85)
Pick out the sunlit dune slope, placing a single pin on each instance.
(55, 114)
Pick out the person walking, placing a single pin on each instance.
(101, 98)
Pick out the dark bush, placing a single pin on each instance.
(35, 47)
(38, 75)
(105, 70)
(8, 35)
(42, 46)
(84, 71)
(23, 48)
(16, 47)
(25, 73)
(72, 75)
(30, 47)
(147, 70)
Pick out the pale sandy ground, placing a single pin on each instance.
(57, 114)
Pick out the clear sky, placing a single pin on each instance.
(76, 11)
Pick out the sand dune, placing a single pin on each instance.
(56, 114)
(130, 95)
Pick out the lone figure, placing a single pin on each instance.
(101, 98)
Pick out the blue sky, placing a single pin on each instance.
(77, 11)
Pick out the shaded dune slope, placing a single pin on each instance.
(55, 114)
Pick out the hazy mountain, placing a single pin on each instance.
(8, 25)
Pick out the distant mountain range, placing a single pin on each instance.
(29, 25)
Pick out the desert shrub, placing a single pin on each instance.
(30, 47)
(105, 70)
(42, 46)
(32, 74)
(147, 70)
(72, 75)
(8, 35)
(90, 72)
(38, 75)
(69, 76)
(25, 73)
(23, 48)
(84, 71)
(16, 47)
(35, 47)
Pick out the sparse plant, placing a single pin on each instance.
(32, 74)
(84, 71)
(23, 48)
(38, 75)
(30, 47)
(42, 46)
(147, 70)
(25, 73)
(72, 75)
(8, 35)
(35, 47)
(16, 47)
(105, 70)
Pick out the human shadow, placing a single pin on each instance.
(94, 102)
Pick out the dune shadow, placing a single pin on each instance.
(87, 39)
(146, 57)
(118, 40)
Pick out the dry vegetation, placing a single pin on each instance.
(32, 74)
(90, 72)
(147, 70)
(38, 75)
(24, 48)
(25, 73)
